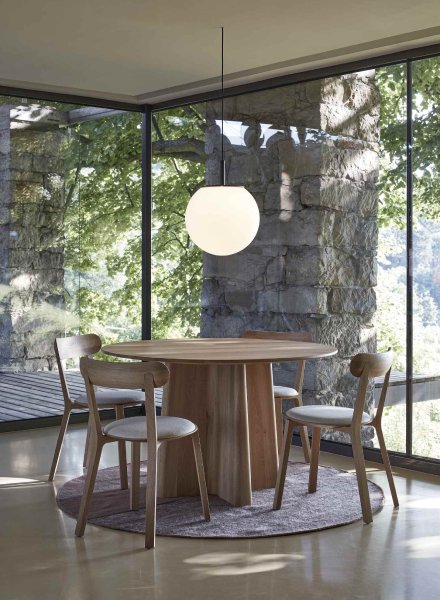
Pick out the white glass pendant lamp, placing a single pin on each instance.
(222, 219)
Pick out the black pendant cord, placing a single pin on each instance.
(222, 162)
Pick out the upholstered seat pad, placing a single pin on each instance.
(325, 415)
(135, 428)
(113, 397)
(280, 391)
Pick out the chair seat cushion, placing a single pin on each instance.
(112, 397)
(135, 428)
(325, 415)
(279, 391)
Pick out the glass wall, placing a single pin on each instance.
(391, 317)
(178, 171)
(70, 243)
(327, 164)
(426, 267)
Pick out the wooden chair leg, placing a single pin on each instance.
(361, 474)
(86, 449)
(314, 459)
(119, 410)
(135, 475)
(59, 444)
(386, 464)
(284, 459)
(201, 475)
(279, 422)
(303, 432)
(94, 457)
(150, 508)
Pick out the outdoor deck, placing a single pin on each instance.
(26, 396)
(425, 387)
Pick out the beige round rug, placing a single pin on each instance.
(336, 502)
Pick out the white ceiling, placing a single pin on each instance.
(151, 50)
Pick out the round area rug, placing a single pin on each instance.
(336, 502)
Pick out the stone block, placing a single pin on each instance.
(243, 266)
(218, 325)
(275, 271)
(5, 145)
(282, 196)
(303, 266)
(290, 228)
(4, 215)
(350, 334)
(239, 299)
(213, 294)
(45, 143)
(345, 100)
(351, 231)
(360, 301)
(47, 164)
(339, 194)
(356, 164)
(21, 161)
(329, 267)
(299, 161)
(5, 162)
(35, 280)
(25, 176)
(29, 192)
(294, 300)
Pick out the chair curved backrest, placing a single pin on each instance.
(127, 376)
(367, 366)
(144, 375)
(375, 365)
(295, 336)
(74, 346)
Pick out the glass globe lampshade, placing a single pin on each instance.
(222, 219)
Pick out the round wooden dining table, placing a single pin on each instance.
(223, 385)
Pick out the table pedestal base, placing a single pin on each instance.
(233, 407)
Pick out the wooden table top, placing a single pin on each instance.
(219, 350)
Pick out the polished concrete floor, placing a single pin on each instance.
(395, 558)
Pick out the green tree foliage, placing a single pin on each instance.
(391, 82)
(391, 289)
(178, 171)
(426, 130)
(103, 225)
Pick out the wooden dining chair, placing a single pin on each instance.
(349, 420)
(78, 346)
(282, 393)
(149, 429)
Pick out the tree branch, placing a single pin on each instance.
(185, 148)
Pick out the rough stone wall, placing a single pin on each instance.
(31, 235)
(310, 158)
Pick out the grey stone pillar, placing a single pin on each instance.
(309, 155)
(31, 235)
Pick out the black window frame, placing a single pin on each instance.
(406, 57)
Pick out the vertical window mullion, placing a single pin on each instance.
(146, 222)
(409, 258)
